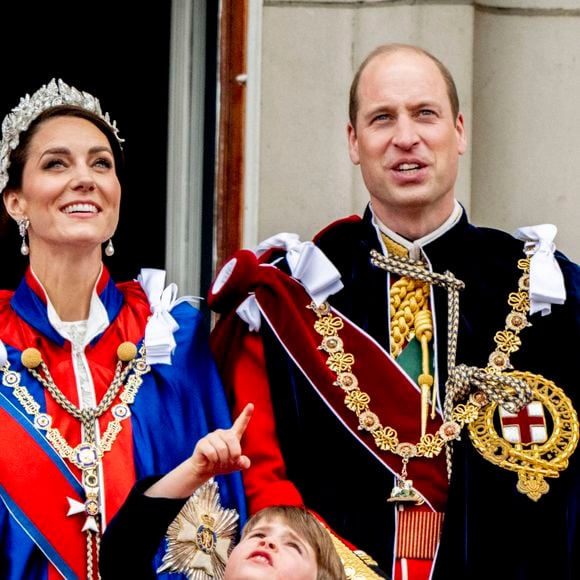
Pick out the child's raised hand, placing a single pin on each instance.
(220, 451)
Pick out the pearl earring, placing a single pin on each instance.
(23, 224)
(110, 250)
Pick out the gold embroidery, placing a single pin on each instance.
(356, 564)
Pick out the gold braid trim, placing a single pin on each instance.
(408, 298)
(356, 564)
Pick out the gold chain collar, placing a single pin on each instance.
(386, 438)
(88, 454)
(407, 267)
(493, 386)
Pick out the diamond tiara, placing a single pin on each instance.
(53, 94)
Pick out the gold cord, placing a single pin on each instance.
(407, 298)
(499, 385)
(411, 316)
(512, 392)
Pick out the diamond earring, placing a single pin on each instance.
(23, 224)
(110, 250)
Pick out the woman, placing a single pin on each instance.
(102, 383)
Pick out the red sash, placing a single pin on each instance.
(24, 451)
(284, 303)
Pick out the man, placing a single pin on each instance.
(412, 374)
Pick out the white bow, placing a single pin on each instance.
(159, 340)
(3, 353)
(308, 264)
(546, 279)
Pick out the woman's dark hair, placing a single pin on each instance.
(19, 155)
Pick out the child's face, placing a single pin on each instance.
(272, 550)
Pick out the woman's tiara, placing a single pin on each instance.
(53, 94)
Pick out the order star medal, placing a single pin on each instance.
(199, 540)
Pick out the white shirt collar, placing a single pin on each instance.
(415, 247)
(96, 322)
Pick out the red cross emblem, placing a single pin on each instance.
(527, 426)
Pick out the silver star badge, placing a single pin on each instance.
(199, 540)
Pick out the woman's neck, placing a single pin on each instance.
(69, 287)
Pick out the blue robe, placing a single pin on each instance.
(176, 404)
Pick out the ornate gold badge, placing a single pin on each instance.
(533, 457)
(535, 432)
(200, 538)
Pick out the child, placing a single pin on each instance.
(277, 542)
(284, 542)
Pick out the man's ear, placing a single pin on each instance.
(13, 204)
(352, 144)
(461, 138)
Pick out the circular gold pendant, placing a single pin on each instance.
(536, 443)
